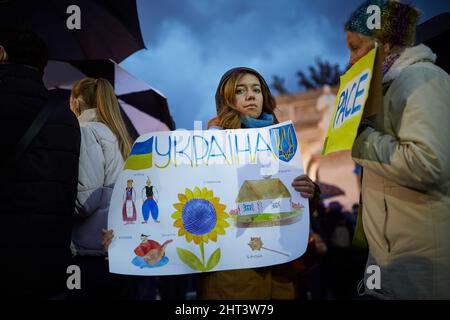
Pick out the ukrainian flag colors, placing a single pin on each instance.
(140, 156)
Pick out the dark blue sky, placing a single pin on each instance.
(191, 43)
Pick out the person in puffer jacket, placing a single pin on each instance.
(405, 159)
(105, 144)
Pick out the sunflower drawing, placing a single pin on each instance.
(200, 217)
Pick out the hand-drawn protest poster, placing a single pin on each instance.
(349, 105)
(198, 201)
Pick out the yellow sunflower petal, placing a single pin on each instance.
(209, 195)
(182, 198)
(189, 194)
(178, 206)
(182, 232)
(178, 223)
(189, 237)
(176, 215)
(214, 201)
(204, 192)
(213, 236)
(205, 238)
(222, 215)
(197, 193)
(219, 230)
(220, 207)
(222, 223)
(197, 239)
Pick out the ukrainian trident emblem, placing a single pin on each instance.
(284, 142)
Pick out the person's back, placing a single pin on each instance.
(99, 168)
(105, 144)
(38, 191)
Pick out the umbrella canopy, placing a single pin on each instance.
(109, 29)
(435, 33)
(144, 109)
(329, 191)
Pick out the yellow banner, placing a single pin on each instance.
(349, 105)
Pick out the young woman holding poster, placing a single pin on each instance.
(243, 100)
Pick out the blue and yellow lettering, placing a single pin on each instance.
(211, 154)
(341, 107)
(163, 154)
(230, 144)
(359, 93)
(194, 143)
(348, 110)
(248, 149)
(258, 138)
(181, 152)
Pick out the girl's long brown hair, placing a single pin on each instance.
(228, 117)
(99, 93)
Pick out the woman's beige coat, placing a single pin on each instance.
(406, 186)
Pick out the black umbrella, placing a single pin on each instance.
(144, 109)
(109, 28)
(435, 33)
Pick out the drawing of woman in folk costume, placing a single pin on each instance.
(129, 208)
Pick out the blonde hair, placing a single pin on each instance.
(228, 117)
(99, 94)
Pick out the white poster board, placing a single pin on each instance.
(199, 201)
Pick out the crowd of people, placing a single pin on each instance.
(63, 158)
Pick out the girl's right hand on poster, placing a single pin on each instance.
(108, 235)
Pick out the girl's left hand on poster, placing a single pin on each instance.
(305, 186)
